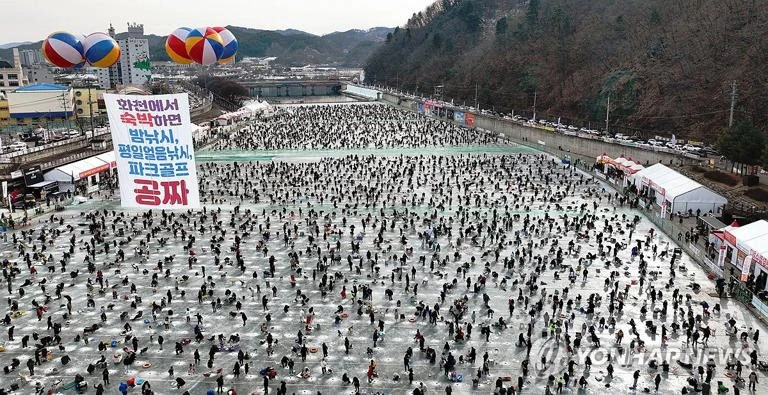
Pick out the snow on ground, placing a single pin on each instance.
(471, 206)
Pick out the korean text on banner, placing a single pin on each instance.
(152, 136)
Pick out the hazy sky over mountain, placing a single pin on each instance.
(33, 20)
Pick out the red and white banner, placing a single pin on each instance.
(760, 259)
(745, 268)
(721, 256)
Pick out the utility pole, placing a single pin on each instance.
(607, 113)
(438, 92)
(534, 105)
(64, 102)
(476, 108)
(90, 110)
(733, 103)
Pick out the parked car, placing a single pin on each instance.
(17, 146)
(31, 137)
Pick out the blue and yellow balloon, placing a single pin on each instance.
(101, 50)
(230, 44)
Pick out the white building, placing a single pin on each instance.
(41, 101)
(133, 67)
(31, 57)
(40, 74)
(11, 75)
(102, 76)
(134, 57)
(133, 51)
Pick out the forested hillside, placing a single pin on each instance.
(667, 65)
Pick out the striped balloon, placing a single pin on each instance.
(101, 50)
(230, 44)
(62, 49)
(176, 47)
(204, 45)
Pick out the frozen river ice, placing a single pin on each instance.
(464, 234)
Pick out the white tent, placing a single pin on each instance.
(621, 161)
(751, 239)
(68, 174)
(107, 157)
(626, 165)
(744, 235)
(680, 192)
(758, 245)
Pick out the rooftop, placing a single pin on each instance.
(42, 87)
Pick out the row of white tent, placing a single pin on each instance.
(624, 164)
(631, 166)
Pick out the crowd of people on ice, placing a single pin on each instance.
(334, 126)
(296, 276)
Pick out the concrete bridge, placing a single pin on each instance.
(292, 88)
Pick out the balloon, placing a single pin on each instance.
(101, 50)
(204, 45)
(62, 49)
(176, 47)
(230, 44)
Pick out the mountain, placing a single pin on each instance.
(15, 44)
(665, 65)
(290, 32)
(297, 48)
(291, 47)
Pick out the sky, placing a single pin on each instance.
(33, 20)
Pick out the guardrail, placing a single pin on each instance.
(31, 150)
(71, 158)
(673, 231)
